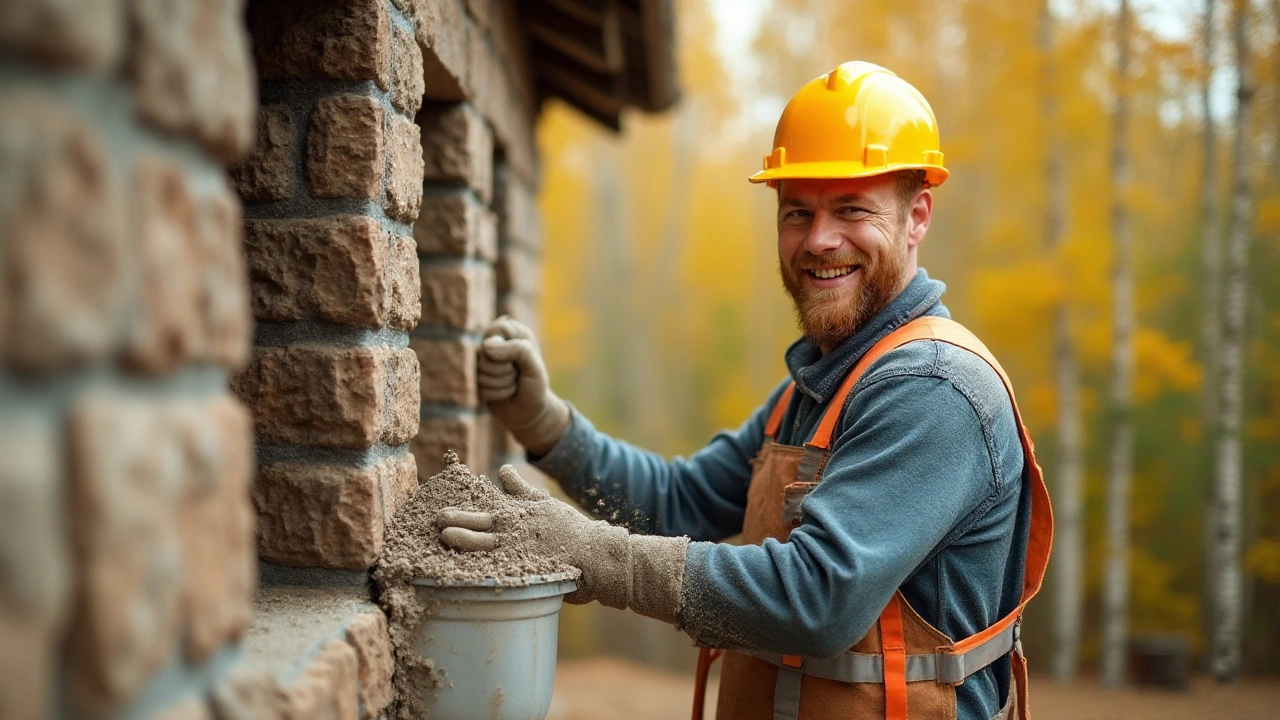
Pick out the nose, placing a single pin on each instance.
(824, 235)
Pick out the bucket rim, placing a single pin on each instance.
(506, 583)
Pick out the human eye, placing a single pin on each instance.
(796, 215)
(851, 210)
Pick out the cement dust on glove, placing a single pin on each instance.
(512, 378)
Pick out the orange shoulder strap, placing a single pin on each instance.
(1041, 537)
(779, 409)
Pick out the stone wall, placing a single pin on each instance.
(246, 256)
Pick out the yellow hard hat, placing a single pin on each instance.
(857, 120)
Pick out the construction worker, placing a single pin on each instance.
(893, 517)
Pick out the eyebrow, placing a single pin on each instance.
(839, 200)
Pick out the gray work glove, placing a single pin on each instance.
(621, 570)
(513, 381)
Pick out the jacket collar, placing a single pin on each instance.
(819, 377)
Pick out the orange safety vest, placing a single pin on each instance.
(903, 667)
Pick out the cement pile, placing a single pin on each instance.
(412, 551)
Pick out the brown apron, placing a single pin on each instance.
(903, 667)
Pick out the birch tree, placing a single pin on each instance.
(1069, 546)
(1226, 508)
(1120, 453)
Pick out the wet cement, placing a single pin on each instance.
(412, 551)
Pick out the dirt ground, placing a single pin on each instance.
(606, 688)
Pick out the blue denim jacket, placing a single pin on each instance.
(922, 492)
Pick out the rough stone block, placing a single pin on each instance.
(441, 26)
(369, 635)
(398, 478)
(318, 515)
(405, 304)
(402, 396)
(481, 11)
(460, 433)
(85, 36)
(457, 296)
(457, 147)
(448, 371)
(404, 169)
(167, 330)
(345, 148)
(226, 326)
(35, 573)
(327, 396)
(332, 269)
(326, 689)
(322, 40)
(216, 530)
(266, 173)
(407, 86)
(128, 469)
(517, 207)
(452, 222)
(246, 695)
(191, 70)
(519, 271)
(64, 250)
(191, 707)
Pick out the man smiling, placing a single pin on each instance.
(893, 518)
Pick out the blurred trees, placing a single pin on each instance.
(664, 319)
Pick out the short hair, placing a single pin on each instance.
(909, 182)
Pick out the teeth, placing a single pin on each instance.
(828, 273)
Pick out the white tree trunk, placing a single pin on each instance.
(1120, 455)
(1069, 541)
(1226, 508)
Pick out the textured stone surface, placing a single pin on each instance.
(402, 396)
(457, 296)
(457, 147)
(217, 528)
(519, 271)
(266, 173)
(406, 71)
(452, 222)
(192, 707)
(368, 634)
(481, 11)
(345, 148)
(245, 695)
(404, 169)
(331, 269)
(166, 331)
(517, 207)
(83, 35)
(442, 33)
(323, 396)
(326, 688)
(63, 258)
(405, 304)
(448, 371)
(226, 327)
(191, 70)
(319, 515)
(398, 478)
(460, 434)
(128, 470)
(34, 564)
(322, 39)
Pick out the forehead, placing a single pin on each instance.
(816, 191)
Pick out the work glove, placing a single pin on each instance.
(513, 381)
(621, 570)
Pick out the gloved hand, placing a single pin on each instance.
(513, 380)
(621, 570)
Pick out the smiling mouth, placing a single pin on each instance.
(829, 273)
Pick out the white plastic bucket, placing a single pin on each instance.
(493, 648)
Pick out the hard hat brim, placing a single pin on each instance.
(934, 175)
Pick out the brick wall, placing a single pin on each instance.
(246, 255)
(126, 536)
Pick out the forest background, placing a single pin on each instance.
(664, 319)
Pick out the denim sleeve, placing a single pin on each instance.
(703, 497)
(909, 470)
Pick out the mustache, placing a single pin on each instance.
(809, 261)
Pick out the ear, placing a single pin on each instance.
(919, 216)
